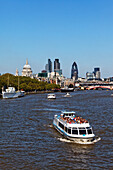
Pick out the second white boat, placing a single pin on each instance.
(51, 96)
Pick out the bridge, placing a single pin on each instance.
(99, 87)
(93, 86)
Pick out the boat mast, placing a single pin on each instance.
(18, 83)
(8, 81)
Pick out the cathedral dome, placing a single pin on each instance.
(27, 70)
(27, 66)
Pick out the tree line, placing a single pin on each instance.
(25, 83)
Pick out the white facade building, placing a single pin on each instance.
(27, 70)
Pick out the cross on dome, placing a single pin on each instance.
(26, 61)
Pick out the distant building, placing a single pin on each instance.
(68, 82)
(74, 71)
(57, 67)
(95, 75)
(90, 76)
(48, 66)
(109, 79)
(43, 74)
(27, 70)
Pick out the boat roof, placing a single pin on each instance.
(51, 94)
(65, 112)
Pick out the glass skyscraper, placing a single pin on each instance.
(57, 67)
(48, 66)
(74, 71)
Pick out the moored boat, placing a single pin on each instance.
(67, 89)
(10, 92)
(74, 128)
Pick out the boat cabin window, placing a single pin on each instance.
(66, 129)
(61, 125)
(75, 131)
(68, 114)
(69, 130)
(89, 130)
(82, 131)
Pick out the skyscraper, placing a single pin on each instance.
(48, 66)
(57, 67)
(97, 72)
(74, 71)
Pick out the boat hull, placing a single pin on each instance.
(10, 95)
(67, 90)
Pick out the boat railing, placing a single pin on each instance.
(73, 120)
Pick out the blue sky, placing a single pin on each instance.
(71, 30)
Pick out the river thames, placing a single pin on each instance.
(29, 141)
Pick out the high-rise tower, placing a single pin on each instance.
(57, 67)
(48, 66)
(97, 72)
(74, 71)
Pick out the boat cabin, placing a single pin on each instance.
(76, 130)
(68, 114)
(52, 95)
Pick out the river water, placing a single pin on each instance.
(29, 141)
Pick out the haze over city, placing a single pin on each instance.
(80, 31)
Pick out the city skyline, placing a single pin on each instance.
(74, 67)
(79, 31)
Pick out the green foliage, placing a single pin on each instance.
(25, 83)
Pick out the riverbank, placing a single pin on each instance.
(38, 92)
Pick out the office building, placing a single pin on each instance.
(97, 72)
(48, 66)
(57, 67)
(74, 71)
(95, 75)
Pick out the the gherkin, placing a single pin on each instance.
(74, 71)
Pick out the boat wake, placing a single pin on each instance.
(85, 143)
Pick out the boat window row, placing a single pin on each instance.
(67, 115)
(77, 131)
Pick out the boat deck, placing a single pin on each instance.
(74, 120)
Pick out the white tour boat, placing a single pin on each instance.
(74, 128)
(67, 95)
(51, 96)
